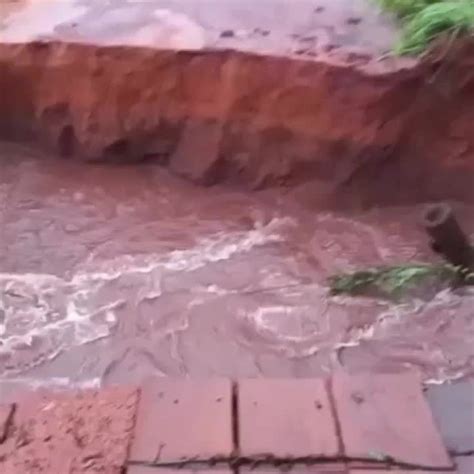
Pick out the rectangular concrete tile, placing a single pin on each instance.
(465, 464)
(181, 419)
(387, 415)
(286, 418)
(453, 411)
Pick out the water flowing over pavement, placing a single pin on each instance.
(112, 273)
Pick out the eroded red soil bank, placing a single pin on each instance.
(364, 133)
(113, 273)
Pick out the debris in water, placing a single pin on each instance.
(390, 282)
(448, 240)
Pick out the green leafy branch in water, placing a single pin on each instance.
(391, 282)
(425, 20)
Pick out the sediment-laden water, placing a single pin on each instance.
(114, 273)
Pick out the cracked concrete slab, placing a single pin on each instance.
(453, 410)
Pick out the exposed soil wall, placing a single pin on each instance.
(359, 134)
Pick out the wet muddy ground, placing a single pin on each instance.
(113, 273)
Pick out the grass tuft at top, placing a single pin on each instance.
(405, 8)
(425, 20)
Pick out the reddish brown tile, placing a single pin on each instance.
(6, 418)
(70, 433)
(286, 418)
(387, 415)
(182, 419)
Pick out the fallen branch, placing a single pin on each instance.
(391, 282)
(447, 239)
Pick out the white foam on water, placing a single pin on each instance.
(10, 387)
(44, 314)
(414, 316)
(221, 246)
(360, 228)
(54, 383)
(304, 320)
(443, 378)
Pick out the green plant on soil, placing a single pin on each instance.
(405, 8)
(391, 282)
(425, 20)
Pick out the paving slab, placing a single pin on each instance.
(453, 411)
(181, 419)
(465, 464)
(387, 416)
(70, 433)
(286, 418)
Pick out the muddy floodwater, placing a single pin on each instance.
(113, 273)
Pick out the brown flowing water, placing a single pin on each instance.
(112, 273)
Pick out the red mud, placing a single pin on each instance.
(113, 272)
